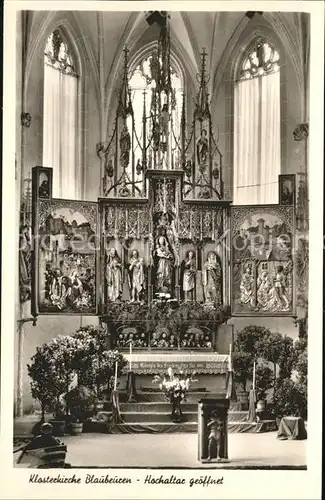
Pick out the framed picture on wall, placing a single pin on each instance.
(287, 189)
(42, 182)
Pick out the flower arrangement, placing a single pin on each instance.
(174, 385)
(81, 358)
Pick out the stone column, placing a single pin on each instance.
(301, 133)
(20, 369)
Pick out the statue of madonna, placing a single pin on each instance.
(165, 260)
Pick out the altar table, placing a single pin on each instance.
(157, 363)
(292, 428)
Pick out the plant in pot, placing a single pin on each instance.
(278, 350)
(47, 384)
(250, 338)
(290, 399)
(264, 381)
(79, 401)
(95, 364)
(40, 370)
(98, 368)
(243, 370)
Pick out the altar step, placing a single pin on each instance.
(159, 397)
(152, 412)
(191, 427)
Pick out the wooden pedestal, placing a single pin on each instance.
(205, 407)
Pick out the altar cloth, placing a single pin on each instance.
(292, 428)
(158, 363)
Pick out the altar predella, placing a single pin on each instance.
(163, 230)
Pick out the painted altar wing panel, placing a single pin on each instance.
(262, 249)
(65, 257)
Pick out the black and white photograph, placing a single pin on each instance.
(163, 245)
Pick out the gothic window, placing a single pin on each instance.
(257, 140)
(60, 120)
(262, 60)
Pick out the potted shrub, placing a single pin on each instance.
(243, 370)
(250, 338)
(48, 383)
(59, 420)
(80, 401)
(95, 364)
(44, 387)
(264, 381)
(290, 399)
(278, 350)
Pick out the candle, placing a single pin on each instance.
(130, 360)
(164, 188)
(115, 382)
(254, 375)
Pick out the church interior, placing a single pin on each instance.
(162, 206)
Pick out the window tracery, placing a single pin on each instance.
(261, 60)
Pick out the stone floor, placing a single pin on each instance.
(180, 450)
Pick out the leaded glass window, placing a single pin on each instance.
(58, 55)
(60, 116)
(262, 60)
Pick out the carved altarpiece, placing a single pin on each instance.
(160, 232)
(262, 244)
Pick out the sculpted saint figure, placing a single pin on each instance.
(164, 120)
(212, 279)
(202, 148)
(280, 289)
(165, 265)
(264, 287)
(189, 276)
(247, 288)
(125, 147)
(136, 277)
(114, 276)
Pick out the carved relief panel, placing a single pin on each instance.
(65, 256)
(262, 260)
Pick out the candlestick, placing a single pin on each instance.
(130, 360)
(115, 382)
(164, 188)
(254, 375)
(230, 359)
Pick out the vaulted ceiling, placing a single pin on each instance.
(103, 35)
(190, 32)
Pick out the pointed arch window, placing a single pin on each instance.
(257, 139)
(60, 120)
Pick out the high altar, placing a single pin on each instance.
(154, 256)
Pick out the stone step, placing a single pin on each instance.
(190, 415)
(154, 427)
(152, 396)
(161, 417)
(157, 389)
(237, 416)
(170, 427)
(155, 407)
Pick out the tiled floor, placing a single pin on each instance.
(180, 450)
